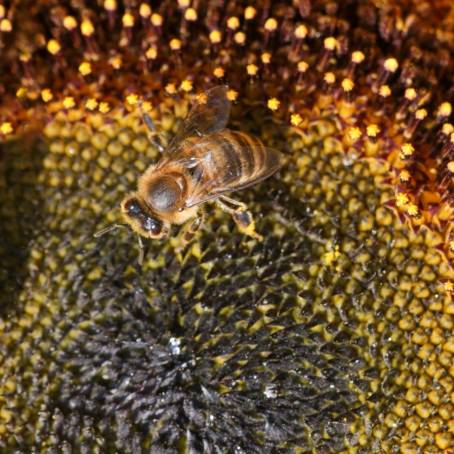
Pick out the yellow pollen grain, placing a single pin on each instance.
(215, 36)
(232, 95)
(372, 130)
(21, 92)
(447, 129)
(46, 95)
(170, 89)
(233, 22)
(250, 12)
(273, 104)
(110, 5)
(384, 91)
(175, 44)
(354, 133)
(330, 43)
(252, 69)
(412, 209)
(240, 38)
(329, 78)
(410, 94)
(6, 128)
(266, 58)
(104, 107)
(301, 31)
(91, 104)
(151, 53)
(156, 19)
(25, 57)
(145, 10)
(2, 11)
(331, 256)
(402, 199)
(132, 99)
(186, 85)
(451, 245)
(420, 114)
(115, 61)
(85, 68)
(5, 25)
(201, 98)
(271, 24)
(450, 166)
(68, 102)
(444, 110)
(146, 106)
(87, 28)
(183, 3)
(128, 20)
(190, 15)
(53, 46)
(218, 72)
(358, 57)
(302, 66)
(407, 149)
(404, 175)
(448, 286)
(295, 119)
(347, 84)
(69, 22)
(391, 65)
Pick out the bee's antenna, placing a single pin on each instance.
(111, 227)
(108, 229)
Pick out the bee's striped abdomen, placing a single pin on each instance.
(227, 161)
(239, 157)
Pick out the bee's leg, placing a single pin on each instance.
(141, 250)
(152, 129)
(240, 214)
(191, 228)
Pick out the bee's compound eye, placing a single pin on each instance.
(152, 225)
(133, 207)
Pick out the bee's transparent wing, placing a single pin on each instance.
(232, 178)
(209, 114)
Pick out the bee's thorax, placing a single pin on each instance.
(165, 193)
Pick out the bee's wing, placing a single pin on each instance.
(209, 114)
(231, 178)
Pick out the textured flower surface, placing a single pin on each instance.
(333, 334)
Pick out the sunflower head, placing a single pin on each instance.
(333, 334)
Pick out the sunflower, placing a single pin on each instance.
(333, 334)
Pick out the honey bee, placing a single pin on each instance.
(203, 162)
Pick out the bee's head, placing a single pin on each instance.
(141, 219)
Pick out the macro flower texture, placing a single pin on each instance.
(332, 334)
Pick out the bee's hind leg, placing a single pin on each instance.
(240, 214)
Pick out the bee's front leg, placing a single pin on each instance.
(240, 214)
(191, 228)
(152, 129)
(141, 251)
